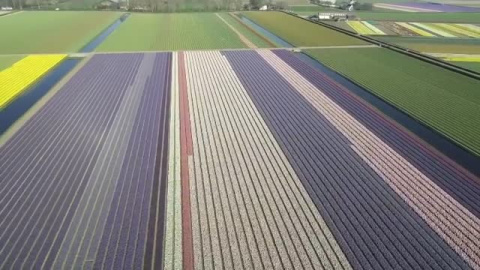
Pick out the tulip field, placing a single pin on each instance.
(17, 78)
(419, 29)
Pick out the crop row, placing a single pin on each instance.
(442, 29)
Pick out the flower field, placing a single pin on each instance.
(445, 30)
(444, 100)
(450, 17)
(17, 78)
(229, 159)
(365, 28)
(34, 32)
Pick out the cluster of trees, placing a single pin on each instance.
(16, 4)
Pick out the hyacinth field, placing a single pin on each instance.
(203, 163)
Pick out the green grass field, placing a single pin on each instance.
(436, 45)
(470, 65)
(179, 31)
(244, 30)
(51, 31)
(442, 48)
(444, 100)
(8, 60)
(466, 17)
(300, 32)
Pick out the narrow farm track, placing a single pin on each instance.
(243, 38)
(173, 232)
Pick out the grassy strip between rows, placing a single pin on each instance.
(7, 60)
(444, 100)
(177, 31)
(244, 30)
(51, 31)
(300, 32)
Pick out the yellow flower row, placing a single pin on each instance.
(17, 78)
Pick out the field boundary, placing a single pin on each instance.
(85, 55)
(268, 41)
(243, 38)
(399, 49)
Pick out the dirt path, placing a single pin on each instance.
(243, 38)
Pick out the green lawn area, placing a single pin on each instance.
(247, 32)
(444, 100)
(177, 31)
(300, 32)
(466, 17)
(51, 31)
(8, 60)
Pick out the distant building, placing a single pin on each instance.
(332, 16)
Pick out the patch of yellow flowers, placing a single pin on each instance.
(17, 78)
